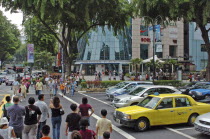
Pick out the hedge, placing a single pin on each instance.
(101, 84)
(175, 83)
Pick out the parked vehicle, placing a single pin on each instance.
(202, 93)
(9, 81)
(162, 109)
(193, 85)
(124, 86)
(137, 95)
(202, 123)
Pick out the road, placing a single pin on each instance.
(98, 102)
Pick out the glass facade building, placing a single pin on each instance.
(102, 51)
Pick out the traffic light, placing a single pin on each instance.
(60, 69)
(29, 69)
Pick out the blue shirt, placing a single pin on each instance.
(16, 113)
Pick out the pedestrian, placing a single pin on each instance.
(15, 86)
(6, 106)
(110, 75)
(68, 85)
(32, 117)
(99, 76)
(16, 113)
(75, 135)
(6, 131)
(45, 114)
(62, 88)
(84, 109)
(50, 87)
(55, 87)
(84, 131)
(114, 74)
(22, 91)
(39, 87)
(27, 84)
(103, 125)
(45, 132)
(73, 86)
(106, 135)
(57, 112)
(72, 120)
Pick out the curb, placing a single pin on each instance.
(84, 91)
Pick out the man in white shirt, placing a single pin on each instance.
(15, 86)
(45, 114)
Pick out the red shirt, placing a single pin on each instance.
(87, 134)
(84, 109)
(45, 138)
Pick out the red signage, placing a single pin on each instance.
(145, 39)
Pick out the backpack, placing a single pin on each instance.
(5, 113)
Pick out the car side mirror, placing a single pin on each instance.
(145, 94)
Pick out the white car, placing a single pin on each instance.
(202, 123)
(137, 95)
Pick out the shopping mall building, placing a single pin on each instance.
(104, 52)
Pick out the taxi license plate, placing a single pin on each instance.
(118, 121)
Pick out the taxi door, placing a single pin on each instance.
(164, 112)
(183, 109)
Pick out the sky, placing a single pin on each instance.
(15, 18)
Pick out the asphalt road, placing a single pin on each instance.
(99, 101)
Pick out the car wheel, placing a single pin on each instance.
(191, 119)
(142, 124)
(207, 96)
(134, 104)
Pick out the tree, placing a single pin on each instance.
(40, 36)
(135, 62)
(197, 11)
(44, 60)
(9, 38)
(75, 18)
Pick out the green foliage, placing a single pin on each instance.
(40, 36)
(135, 62)
(9, 36)
(128, 75)
(175, 83)
(44, 60)
(103, 84)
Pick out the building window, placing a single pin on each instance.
(144, 51)
(143, 30)
(104, 55)
(88, 55)
(173, 51)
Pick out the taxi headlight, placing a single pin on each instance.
(199, 93)
(190, 92)
(123, 101)
(126, 116)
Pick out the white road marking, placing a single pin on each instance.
(180, 133)
(118, 130)
(185, 128)
(97, 100)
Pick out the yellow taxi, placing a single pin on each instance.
(161, 109)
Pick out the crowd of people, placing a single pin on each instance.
(30, 122)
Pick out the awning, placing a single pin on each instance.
(102, 62)
(151, 58)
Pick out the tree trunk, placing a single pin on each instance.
(208, 67)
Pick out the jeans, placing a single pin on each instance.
(40, 125)
(72, 91)
(39, 92)
(55, 91)
(56, 124)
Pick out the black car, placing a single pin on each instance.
(192, 85)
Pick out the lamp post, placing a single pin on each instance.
(153, 21)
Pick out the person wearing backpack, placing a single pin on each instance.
(32, 117)
(7, 132)
(6, 105)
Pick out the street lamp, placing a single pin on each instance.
(153, 21)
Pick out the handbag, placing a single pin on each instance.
(19, 90)
(62, 112)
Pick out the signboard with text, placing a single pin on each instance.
(30, 53)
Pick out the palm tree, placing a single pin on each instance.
(135, 62)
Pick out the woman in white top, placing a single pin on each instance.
(22, 91)
(7, 132)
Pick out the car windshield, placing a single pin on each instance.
(121, 85)
(207, 86)
(130, 87)
(149, 102)
(136, 91)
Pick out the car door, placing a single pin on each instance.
(164, 112)
(183, 109)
